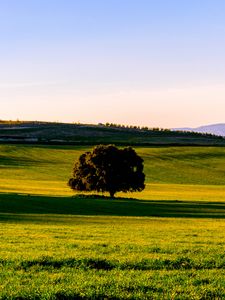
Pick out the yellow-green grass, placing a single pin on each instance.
(172, 173)
(74, 257)
(166, 243)
(151, 192)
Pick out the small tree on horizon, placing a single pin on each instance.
(108, 169)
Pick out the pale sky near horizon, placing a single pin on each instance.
(143, 62)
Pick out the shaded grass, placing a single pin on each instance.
(96, 205)
(179, 263)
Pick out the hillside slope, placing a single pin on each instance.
(172, 173)
(82, 134)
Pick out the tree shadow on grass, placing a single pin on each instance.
(15, 205)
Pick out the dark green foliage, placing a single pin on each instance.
(108, 169)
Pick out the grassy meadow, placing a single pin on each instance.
(167, 242)
(172, 173)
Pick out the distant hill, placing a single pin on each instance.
(88, 134)
(217, 129)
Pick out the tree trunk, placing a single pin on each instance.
(112, 193)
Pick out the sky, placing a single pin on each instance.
(138, 62)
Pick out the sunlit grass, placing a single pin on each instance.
(177, 173)
(42, 187)
(55, 246)
(112, 257)
(151, 192)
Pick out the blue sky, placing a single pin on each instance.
(156, 63)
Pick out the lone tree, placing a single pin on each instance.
(108, 169)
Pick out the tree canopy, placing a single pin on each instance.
(108, 169)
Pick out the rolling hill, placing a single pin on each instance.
(88, 134)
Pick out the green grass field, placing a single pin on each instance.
(164, 243)
(172, 173)
(73, 257)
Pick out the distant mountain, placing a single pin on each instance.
(217, 129)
